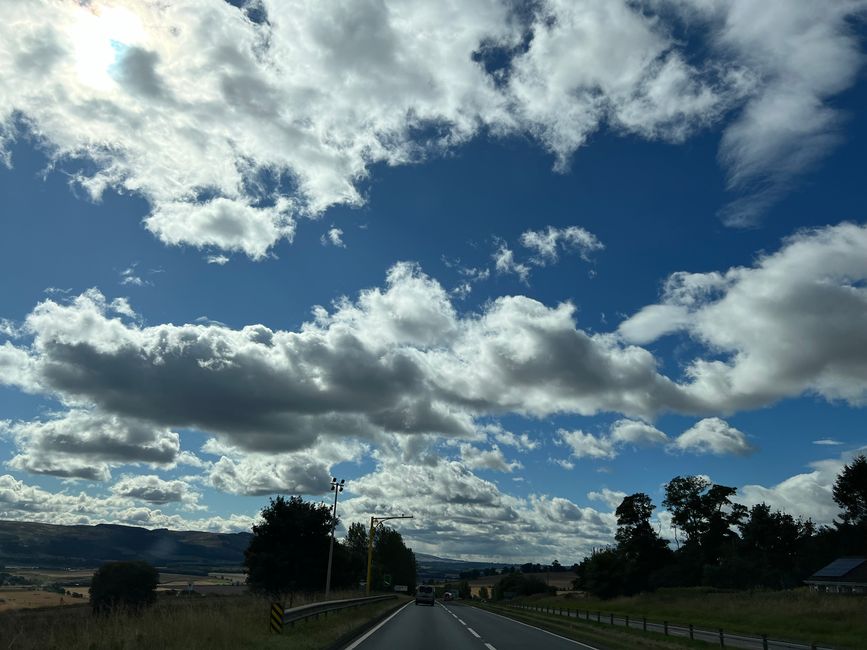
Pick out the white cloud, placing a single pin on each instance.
(504, 262)
(21, 501)
(547, 242)
(794, 322)
(636, 432)
(492, 459)
(827, 442)
(87, 444)
(334, 236)
(455, 509)
(611, 498)
(586, 445)
(219, 260)
(232, 128)
(715, 436)
(153, 489)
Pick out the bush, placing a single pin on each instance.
(127, 585)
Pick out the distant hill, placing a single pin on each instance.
(433, 567)
(46, 545)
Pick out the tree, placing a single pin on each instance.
(641, 549)
(289, 549)
(127, 585)
(850, 491)
(483, 593)
(393, 558)
(705, 513)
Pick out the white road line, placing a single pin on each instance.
(490, 647)
(461, 622)
(474, 633)
(361, 640)
(583, 645)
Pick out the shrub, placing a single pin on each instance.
(126, 585)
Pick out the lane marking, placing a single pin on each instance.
(474, 633)
(461, 622)
(362, 639)
(490, 647)
(583, 645)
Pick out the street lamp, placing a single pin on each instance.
(374, 522)
(337, 488)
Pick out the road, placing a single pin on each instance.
(458, 627)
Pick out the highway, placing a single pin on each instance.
(455, 626)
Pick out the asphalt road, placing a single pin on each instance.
(453, 626)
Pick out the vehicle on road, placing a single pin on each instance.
(425, 595)
(448, 596)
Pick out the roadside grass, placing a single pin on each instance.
(221, 623)
(616, 638)
(795, 615)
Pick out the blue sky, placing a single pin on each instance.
(495, 265)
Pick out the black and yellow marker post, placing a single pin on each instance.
(276, 618)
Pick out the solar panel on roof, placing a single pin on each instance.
(840, 567)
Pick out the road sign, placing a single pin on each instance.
(403, 588)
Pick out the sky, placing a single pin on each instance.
(496, 264)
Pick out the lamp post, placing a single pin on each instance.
(337, 488)
(374, 522)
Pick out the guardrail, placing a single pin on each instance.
(717, 637)
(313, 610)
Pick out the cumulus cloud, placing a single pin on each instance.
(493, 459)
(25, 502)
(86, 444)
(586, 445)
(504, 262)
(153, 489)
(611, 498)
(715, 436)
(232, 128)
(794, 322)
(808, 495)
(455, 509)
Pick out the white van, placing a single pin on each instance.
(425, 594)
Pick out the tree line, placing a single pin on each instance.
(720, 543)
(289, 552)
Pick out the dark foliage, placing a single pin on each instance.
(128, 586)
(519, 584)
(850, 491)
(289, 549)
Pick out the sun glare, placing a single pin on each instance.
(101, 33)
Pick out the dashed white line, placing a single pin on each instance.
(461, 622)
(474, 633)
(490, 647)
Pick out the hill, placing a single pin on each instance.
(46, 545)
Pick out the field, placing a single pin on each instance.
(230, 623)
(796, 615)
(26, 598)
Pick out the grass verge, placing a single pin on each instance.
(795, 615)
(219, 623)
(598, 634)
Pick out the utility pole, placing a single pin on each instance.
(374, 523)
(337, 488)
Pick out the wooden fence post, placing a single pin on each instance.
(722, 639)
(691, 634)
(665, 627)
(644, 623)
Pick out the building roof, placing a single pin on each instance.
(844, 569)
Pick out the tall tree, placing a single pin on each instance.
(642, 550)
(705, 513)
(393, 558)
(850, 491)
(289, 549)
